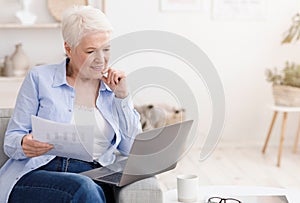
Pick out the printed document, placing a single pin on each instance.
(71, 141)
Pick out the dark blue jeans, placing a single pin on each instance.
(58, 181)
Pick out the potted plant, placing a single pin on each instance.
(286, 84)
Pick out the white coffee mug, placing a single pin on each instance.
(187, 188)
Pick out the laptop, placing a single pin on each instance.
(153, 152)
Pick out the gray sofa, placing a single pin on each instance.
(147, 190)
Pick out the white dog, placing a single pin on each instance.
(159, 115)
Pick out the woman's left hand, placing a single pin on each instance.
(116, 81)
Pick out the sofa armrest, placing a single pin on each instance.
(5, 115)
(143, 191)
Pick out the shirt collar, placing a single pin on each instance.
(60, 77)
(104, 87)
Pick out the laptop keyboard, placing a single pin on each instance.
(115, 177)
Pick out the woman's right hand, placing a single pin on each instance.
(33, 147)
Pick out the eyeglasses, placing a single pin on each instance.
(223, 200)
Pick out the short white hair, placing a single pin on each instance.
(80, 20)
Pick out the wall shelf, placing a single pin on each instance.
(11, 79)
(20, 26)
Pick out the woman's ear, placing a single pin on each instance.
(68, 49)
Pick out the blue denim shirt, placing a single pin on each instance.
(46, 93)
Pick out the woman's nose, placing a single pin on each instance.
(99, 58)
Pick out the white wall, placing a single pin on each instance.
(240, 51)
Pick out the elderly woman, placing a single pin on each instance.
(82, 82)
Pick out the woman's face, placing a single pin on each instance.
(90, 56)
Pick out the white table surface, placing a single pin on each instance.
(285, 108)
(293, 196)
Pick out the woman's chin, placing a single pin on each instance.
(96, 74)
(96, 77)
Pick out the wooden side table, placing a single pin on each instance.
(285, 110)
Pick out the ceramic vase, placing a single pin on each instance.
(8, 67)
(20, 61)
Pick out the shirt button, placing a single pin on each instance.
(70, 110)
(17, 178)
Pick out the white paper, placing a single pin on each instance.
(71, 141)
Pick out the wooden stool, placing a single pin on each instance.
(285, 110)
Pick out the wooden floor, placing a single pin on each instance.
(230, 165)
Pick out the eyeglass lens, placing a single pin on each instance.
(222, 200)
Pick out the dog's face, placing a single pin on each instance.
(176, 115)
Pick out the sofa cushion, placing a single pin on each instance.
(146, 191)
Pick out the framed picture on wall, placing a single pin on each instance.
(239, 9)
(180, 5)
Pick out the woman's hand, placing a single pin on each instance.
(33, 147)
(116, 81)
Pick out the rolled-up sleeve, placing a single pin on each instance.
(129, 123)
(20, 123)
